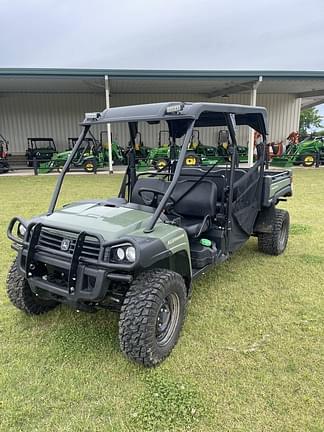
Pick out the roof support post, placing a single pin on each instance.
(108, 125)
(253, 96)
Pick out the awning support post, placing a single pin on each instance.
(108, 126)
(253, 97)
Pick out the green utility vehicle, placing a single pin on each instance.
(138, 254)
(4, 154)
(305, 153)
(39, 149)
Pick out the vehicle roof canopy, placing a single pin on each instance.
(205, 114)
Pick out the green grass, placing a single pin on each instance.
(250, 357)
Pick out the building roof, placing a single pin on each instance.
(207, 83)
(160, 73)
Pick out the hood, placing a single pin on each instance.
(63, 155)
(95, 217)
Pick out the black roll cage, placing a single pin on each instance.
(32, 143)
(175, 166)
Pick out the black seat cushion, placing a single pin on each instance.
(195, 226)
(195, 199)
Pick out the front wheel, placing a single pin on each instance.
(152, 316)
(22, 297)
(161, 163)
(275, 242)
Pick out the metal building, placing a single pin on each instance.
(51, 102)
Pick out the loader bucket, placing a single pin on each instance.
(44, 168)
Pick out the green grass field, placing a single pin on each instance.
(250, 357)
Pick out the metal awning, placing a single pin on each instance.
(208, 83)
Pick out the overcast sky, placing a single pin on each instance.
(178, 34)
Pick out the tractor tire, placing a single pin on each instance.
(160, 163)
(275, 243)
(4, 167)
(22, 297)
(89, 166)
(309, 160)
(152, 316)
(191, 159)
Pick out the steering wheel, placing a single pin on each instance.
(153, 202)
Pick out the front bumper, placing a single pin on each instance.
(80, 274)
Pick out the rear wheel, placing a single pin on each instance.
(275, 242)
(89, 166)
(309, 160)
(152, 316)
(22, 297)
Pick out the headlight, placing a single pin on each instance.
(122, 254)
(131, 254)
(21, 230)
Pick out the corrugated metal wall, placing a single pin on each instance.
(283, 111)
(58, 116)
(44, 115)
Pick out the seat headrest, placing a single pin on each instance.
(148, 183)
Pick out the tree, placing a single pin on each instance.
(309, 117)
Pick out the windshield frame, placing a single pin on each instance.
(186, 131)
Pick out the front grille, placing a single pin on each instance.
(53, 239)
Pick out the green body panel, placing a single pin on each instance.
(282, 162)
(158, 152)
(113, 223)
(279, 185)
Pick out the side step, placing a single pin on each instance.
(202, 256)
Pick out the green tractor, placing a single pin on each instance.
(91, 155)
(87, 157)
(117, 152)
(304, 153)
(197, 153)
(159, 157)
(206, 155)
(223, 146)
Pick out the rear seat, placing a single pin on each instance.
(218, 176)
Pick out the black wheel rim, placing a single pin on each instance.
(167, 319)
